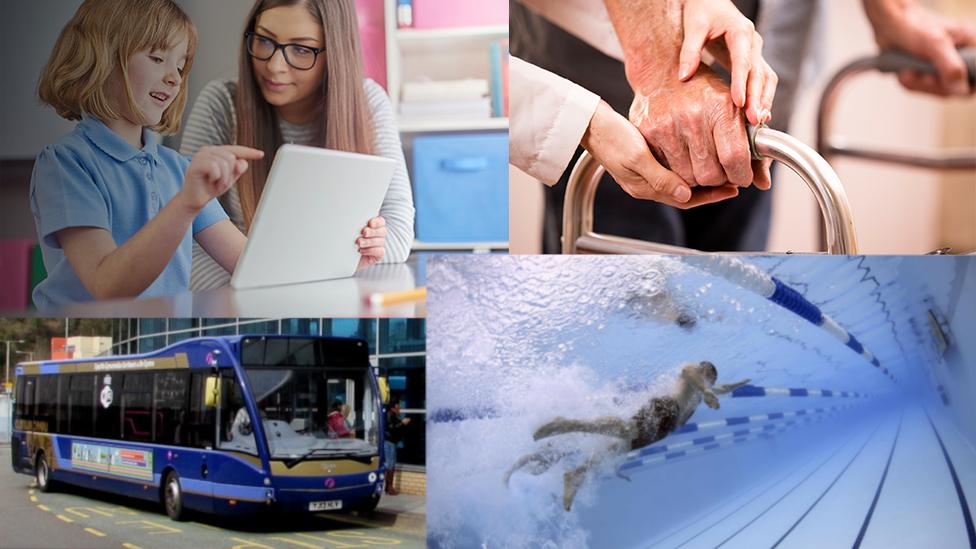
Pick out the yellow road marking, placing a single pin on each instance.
(94, 532)
(367, 539)
(148, 525)
(206, 526)
(116, 509)
(90, 510)
(31, 491)
(419, 532)
(341, 544)
(130, 546)
(245, 544)
(64, 518)
(43, 507)
(33, 499)
(296, 542)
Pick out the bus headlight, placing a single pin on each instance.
(372, 478)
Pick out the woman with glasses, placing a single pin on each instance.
(301, 81)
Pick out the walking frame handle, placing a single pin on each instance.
(578, 235)
(888, 61)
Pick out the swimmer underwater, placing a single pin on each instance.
(654, 421)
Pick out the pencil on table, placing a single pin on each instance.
(391, 298)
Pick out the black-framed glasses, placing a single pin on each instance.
(263, 48)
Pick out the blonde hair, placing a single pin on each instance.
(104, 34)
(346, 123)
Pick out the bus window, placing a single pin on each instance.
(108, 409)
(25, 398)
(62, 400)
(137, 407)
(47, 403)
(201, 433)
(80, 402)
(171, 393)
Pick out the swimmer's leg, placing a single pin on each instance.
(574, 478)
(607, 425)
(535, 463)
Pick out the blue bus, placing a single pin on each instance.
(221, 425)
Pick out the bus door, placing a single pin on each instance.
(236, 465)
(181, 426)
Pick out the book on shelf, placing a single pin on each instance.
(444, 90)
(499, 77)
(466, 108)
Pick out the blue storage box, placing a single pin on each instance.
(460, 184)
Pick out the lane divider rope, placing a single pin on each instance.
(754, 279)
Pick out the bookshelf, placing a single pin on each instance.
(440, 54)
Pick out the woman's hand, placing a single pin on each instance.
(212, 172)
(372, 242)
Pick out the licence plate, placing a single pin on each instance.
(325, 505)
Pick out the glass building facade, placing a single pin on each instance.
(397, 348)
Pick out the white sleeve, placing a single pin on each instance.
(549, 115)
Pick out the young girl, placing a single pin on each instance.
(301, 81)
(110, 206)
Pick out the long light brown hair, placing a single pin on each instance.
(346, 124)
(102, 35)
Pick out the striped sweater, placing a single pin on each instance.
(213, 122)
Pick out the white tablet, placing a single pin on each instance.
(314, 205)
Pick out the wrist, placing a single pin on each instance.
(883, 14)
(185, 204)
(650, 33)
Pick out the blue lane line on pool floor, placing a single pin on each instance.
(757, 496)
(775, 503)
(788, 492)
(970, 530)
(814, 504)
(877, 493)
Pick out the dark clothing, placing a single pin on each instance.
(394, 427)
(739, 224)
(654, 421)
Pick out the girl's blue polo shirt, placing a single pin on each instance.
(94, 178)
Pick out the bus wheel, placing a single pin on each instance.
(173, 496)
(42, 474)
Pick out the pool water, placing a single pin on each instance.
(821, 449)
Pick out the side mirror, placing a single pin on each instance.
(211, 393)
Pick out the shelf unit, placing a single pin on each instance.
(444, 53)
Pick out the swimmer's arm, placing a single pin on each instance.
(728, 388)
(108, 270)
(224, 242)
(693, 375)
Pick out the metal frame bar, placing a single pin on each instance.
(578, 235)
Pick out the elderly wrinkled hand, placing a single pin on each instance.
(695, 129)
(621, 149)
